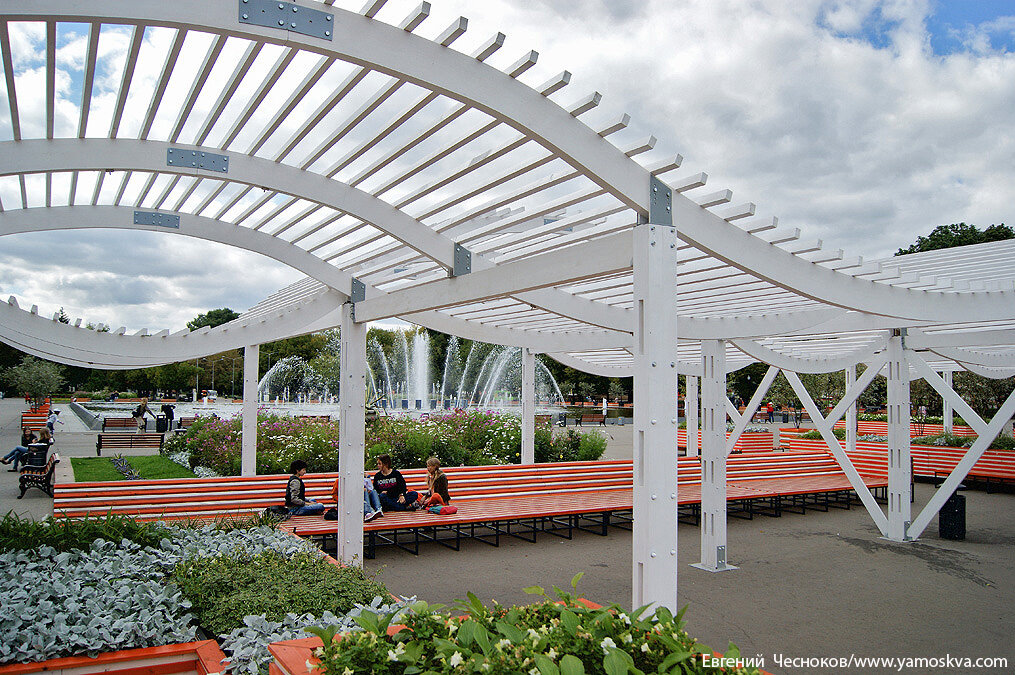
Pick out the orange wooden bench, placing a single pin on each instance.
(314, 418)
(929, 461)
(592, 418)
(34, 421)
(512, 500)
(125, 423)
(183, 423)
(118, 441)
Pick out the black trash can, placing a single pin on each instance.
(785, 418)
(951, 523)
(161, 424)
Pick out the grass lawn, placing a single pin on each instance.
(89, 469)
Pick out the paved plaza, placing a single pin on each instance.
(820, 584)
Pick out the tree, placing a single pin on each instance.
(36, 377)
(958, 234)
(215, 317)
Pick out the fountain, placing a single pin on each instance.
(401, 377)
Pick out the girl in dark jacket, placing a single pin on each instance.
(390, 485)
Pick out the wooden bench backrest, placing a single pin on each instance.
(115, 440)
(183, 497)
(152, 499)
(119, 423)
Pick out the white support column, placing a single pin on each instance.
(691, 415)
(947, 411)
(850, 412)
(900, 469)
(713, 457)
(248, 430)
(351, 434)
(528, 406)
(655, 418)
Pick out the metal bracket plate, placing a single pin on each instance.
(463, 261)
(287, 16)
(720, 556)
(154, 218)
(660, 205)
(197, 159)
(358, 292)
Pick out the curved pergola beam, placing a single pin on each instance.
(104, 154)
(801, 365)
(966, 357)
(53, 218)
(398, 53)
(395, 52)
(86, 348)
(34, 156)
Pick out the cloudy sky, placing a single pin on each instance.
(863, 122)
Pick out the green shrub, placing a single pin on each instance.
(816, 435)
(224, 589)
(1002, 442)
(591, 446)
(545, 638)
(67, 534)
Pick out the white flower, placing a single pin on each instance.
(552, 653)
(456, 659)
(606, 644)
(627, 638)
(625, 618)
(392, 656)
(534, 635)
(452, 628)
(348, 671)
(310, 666)
(534, 671)
(501, 644)
(645, 647)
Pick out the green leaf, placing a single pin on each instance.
(571, 665)
(483, 638)
(673, 659)
(368, 622)
(327, 634)
(467, 632)
(535, 590)
(511, 632)
(663, 614)
(575, 579)
(477, 605)
(614, 662)
(412, 670)
(570, 621)
(545, 665)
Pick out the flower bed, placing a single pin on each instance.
(94, 598)
(566, 636)
(211, 446)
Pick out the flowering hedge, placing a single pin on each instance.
(215, 443)
(549, 638)
(463, 437)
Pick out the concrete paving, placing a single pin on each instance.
(814, 585)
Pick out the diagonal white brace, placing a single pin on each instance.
(987, 434)
(840, 456)
(752, 407)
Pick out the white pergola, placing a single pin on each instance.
(408, 176)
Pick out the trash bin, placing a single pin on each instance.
(785, 418)
(562, 419)
(951, 523)
(161, 424)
